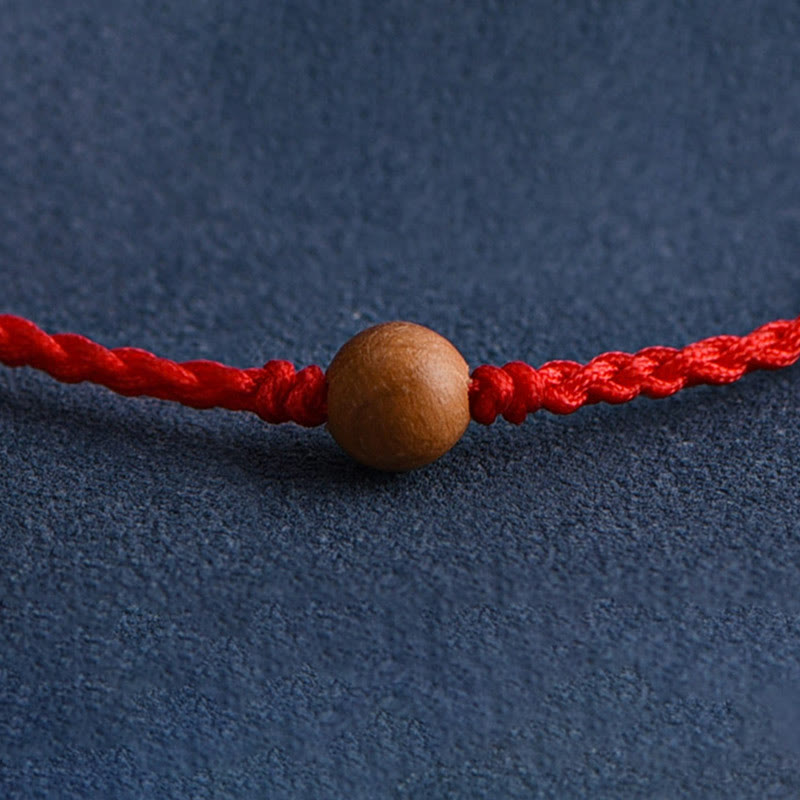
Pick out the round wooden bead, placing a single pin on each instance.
(398, 396)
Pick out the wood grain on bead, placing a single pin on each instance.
(398, 396)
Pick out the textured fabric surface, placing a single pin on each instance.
(197, 605)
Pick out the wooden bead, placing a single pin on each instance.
(398, 396)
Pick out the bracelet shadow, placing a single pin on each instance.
(203, 444)
(214, 443)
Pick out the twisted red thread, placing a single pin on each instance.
(276, 392)
(562, 387)
(279, 393)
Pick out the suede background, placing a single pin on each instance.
(197, 605)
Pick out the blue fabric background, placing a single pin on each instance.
(197, 605)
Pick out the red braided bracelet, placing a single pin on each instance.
(398, 395)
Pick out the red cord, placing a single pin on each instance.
(562, 387)
(277, 393)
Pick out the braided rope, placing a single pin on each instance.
(517, 389)
(276, 392)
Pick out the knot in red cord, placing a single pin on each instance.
(514, 391)
(287, 396)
